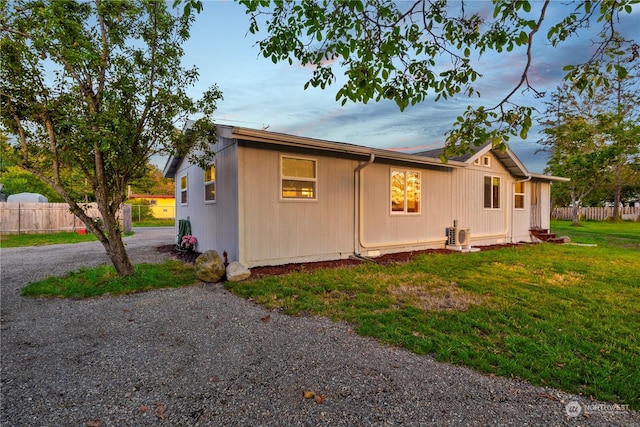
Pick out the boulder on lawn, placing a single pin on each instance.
(209, 267)
(237, 272)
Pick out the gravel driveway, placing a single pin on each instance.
(199, 356)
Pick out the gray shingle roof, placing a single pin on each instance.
(437, 152)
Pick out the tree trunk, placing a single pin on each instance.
(119, 257)
(113, 243)
(110, 235)
(617, 190)
(575, 210)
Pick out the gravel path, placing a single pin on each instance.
(199, 356)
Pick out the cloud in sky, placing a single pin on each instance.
(258, 93)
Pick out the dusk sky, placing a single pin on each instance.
(259, 94)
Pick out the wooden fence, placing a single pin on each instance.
(39, 218)
(597, 214)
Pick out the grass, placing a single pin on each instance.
(19, 240)
(24, 240)
(102, 280)
(611, 234)
(563, 316)
(155, 223)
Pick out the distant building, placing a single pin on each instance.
(162, 206)
(27, 198)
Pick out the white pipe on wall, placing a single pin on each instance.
(357, 204)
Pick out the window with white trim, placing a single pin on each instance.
(484, 161)
(210, 183)
(518, 195)
(298, 178)
(405, 191)
(492, 192)
(184, 199)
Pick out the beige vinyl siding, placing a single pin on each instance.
(521, 220)
(188, 172)
(215, 225)
(487, 226)
(256, 224)
(275, 230)
(221, 218)
(447, 196)
(382, 229)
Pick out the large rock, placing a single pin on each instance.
(209, 267)
(237, 272)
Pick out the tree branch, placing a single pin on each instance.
(104, 54)
(524, 78)
(152, 75)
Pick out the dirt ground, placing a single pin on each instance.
(276, 270)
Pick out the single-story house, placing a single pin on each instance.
(271, 198)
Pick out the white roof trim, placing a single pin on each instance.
(543, 177)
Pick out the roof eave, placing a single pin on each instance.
(174, 160)
(511, 162)
(340, 147)
(544, 177)
(169, 170)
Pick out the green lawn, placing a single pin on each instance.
(153, 222)
(18, 240)
(91, 282)
(611, 234)
(564, 316)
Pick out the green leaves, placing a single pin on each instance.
(592, 131)
(411, 51)
(118, 90)
(386, 56)
(621, 72)
(189, 6)
(478, 126)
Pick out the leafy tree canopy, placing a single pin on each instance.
(153, 182)
(406, 51)
(595, 140)
(16, 180)
(97, 87)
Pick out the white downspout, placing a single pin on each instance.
(357, 191)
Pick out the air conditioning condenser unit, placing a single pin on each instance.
(458, 236)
